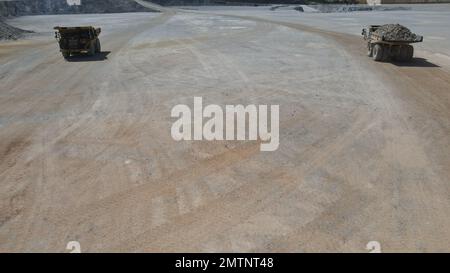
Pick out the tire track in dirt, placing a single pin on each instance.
(231, 209)
(415, 88)
(181, 204)
(38, 82)
(117, 203)
(123, 203)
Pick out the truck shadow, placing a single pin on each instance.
(416, 62)
(101, 56)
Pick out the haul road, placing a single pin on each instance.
(87, 155)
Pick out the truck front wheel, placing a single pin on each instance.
(377, 53)
(369, 50)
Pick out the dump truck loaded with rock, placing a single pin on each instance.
(78, 40)
(392, 41)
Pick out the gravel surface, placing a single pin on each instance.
(86, 152)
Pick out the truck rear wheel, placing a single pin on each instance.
(98, 47)
(409, 53)
(378, 53)
(406, 53)
(92, 50)
(401, 56)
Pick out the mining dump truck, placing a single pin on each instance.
(392, 41)
(75, 40)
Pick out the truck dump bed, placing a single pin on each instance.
(69, 30)
(83, 39)
(394, 33)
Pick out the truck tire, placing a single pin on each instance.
(386, 53)
(369, 50)
(92, 50)
(397, 53)
(98, 47)
(401, 56)
(378, 53)
(409, 53)
(406, 53)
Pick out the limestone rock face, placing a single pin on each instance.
(34, 7)
(8, 32)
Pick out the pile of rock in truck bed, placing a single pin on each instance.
(396, 32)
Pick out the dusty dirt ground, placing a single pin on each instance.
(86, 152)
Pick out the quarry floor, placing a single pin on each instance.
(86, 152)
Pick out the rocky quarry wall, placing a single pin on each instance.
(36, 7)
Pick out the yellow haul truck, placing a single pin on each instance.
(391, 41)
(75, 40)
